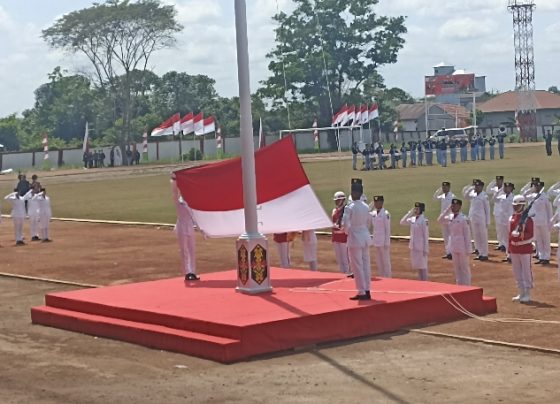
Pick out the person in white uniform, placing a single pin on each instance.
(309, 244)
(555, 224)
(479, 217)
(520, 248)
(541, 212)
(459, 240)
(356, 222)
(18, 214)
(444, 196)
(339, 237)
(494, 190)
(419, 237)
(381, 239)
(503, 209)
(45, 214)
(33, 211)
(185, 232)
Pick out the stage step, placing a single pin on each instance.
(155, 336)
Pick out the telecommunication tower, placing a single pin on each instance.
(526, 113)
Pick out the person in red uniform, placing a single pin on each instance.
(339, 237)
(521, 248)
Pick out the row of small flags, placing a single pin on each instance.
(355, 115)
(188, 124)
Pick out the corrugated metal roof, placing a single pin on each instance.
(507, 102)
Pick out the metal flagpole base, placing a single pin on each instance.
(253, 273)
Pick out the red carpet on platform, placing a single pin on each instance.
(209, 319)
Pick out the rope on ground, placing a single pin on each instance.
(48, 280)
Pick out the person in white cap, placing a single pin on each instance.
(479, 217)
(419, 237)
(338, 236)
(356, 223)
(381, 239)
(520, 249)
(444, 195)
(18, 214)
(185, 232)
(541, 211)
(459, 240)
(45, 214)
(503, 209)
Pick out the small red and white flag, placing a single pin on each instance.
(364, 118)
(170, 126)
(187, 124)
(219, 138)
(285, 197)
(315, 134)
(373, 111)
(340, 115)
(208, 126)
(145, 142)
(198, 124)
(176, 119)
(45, 143)
(350, 115)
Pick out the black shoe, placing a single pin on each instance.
(35, 238)
(361, 297)
(544, 262)
(191, 277)
(475, 252)
(46, 240)
(447, 257)
(20, 242)
(350, 275)
(482, 258)
(506, 260)
(503, 248)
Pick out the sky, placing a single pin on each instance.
(474, 35)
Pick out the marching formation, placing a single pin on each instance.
(524, 223)
(30, 200)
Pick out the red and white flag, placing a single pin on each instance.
(285, 197)
(85, 144)
(373, 111)
(364, 118)
(187, 124)
(145, 142)
(198, 124)
(219, 138)
(169, 127)
(340, 115)
(208, 126)
(262, 140)
(315, 133)
(45, 143)
(350, 115)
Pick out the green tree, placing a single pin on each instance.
(346, 37)
(9, 127)
(118, 37)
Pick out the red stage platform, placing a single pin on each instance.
(209, 319)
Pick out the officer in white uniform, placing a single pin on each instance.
(185, 232)
(33, 212)
(339, 237)
(444, 196)
(45, 214)
(494, 190)
(503, 209)
(459, 240)
(309, 244)
(18, 215)
(356, 223)
(479, 217)
(381, 239)
(541, 212)
(419, 237)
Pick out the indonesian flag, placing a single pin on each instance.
(286, 201)
(45, 143)
(168, 127)
(219, 138)
(208, 126)
(340, 115)
(364, 114)
(85, 145)
(198, 124)
(145, 142)
(373, 111)
(350, 115)
(358, 117)
(187, 124)
(315, 133)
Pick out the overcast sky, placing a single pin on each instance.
(475, 35)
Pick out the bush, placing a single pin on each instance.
(193, 155)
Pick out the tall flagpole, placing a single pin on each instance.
(253, 274)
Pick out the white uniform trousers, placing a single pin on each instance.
(542, 239)
(34, 225)
(383, 261)
(341, 254)
(284, 254)
(186, 246)
(502, 234)
(445, 235)
(361, 267)
(18, 227)
(44, 229)
(480, 236)
(521, 265)
(462, 268)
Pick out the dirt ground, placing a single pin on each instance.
(45, 365)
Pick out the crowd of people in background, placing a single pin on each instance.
(29, 200)
(96, 158)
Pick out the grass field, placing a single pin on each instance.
(146, 197)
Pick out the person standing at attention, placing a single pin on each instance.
(381, 237)
(419, 236)
(339, 238)
(356, 223)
